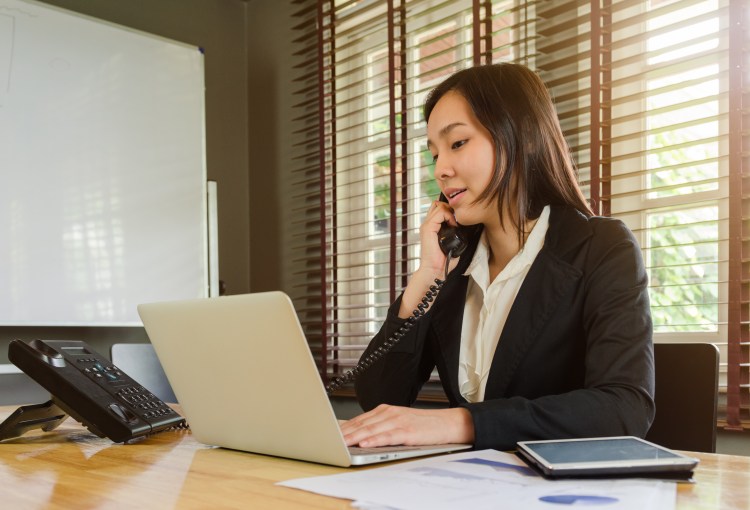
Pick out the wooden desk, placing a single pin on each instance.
(71, 468)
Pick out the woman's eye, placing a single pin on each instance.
(458, 144)
(434, 158)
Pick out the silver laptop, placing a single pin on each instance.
(243, 373)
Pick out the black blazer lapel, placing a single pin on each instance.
(446, 324)
(538, 298)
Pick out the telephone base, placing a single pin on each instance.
(47, 416)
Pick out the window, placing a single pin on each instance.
(653, 99)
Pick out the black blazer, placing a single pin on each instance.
(575, 358)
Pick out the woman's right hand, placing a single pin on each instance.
(431, 258)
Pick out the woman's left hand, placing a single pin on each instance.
(392, 425)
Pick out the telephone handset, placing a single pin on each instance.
(453, 241)
(88, 387)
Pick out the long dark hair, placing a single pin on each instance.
(533, 165)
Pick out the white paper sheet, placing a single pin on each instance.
(479, 480)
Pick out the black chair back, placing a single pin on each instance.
(687, 378)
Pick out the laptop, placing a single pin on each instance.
(243, 373)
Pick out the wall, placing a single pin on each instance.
(270, 91)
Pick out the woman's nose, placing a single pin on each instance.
(443, 169)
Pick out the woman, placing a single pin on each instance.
(542, 330)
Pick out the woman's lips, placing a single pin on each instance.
(454, 195)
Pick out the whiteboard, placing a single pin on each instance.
(102, 169)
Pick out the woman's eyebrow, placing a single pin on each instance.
(445, 130)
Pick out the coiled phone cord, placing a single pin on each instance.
(383, 349)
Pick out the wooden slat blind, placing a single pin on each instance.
(652, 96)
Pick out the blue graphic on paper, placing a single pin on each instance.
(445, 473)
(500, 466)
(579, 500)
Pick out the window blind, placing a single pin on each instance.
(653, 99)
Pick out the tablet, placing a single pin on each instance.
(605, 456)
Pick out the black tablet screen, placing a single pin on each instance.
(599, 451)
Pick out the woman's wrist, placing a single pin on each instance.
(464, 425)
(419, 283)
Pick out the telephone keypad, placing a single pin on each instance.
(141, 399)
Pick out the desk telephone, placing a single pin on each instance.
(453, 242)
(88, 387)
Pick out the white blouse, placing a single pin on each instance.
(487, 307)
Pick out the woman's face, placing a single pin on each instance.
(464, 156)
